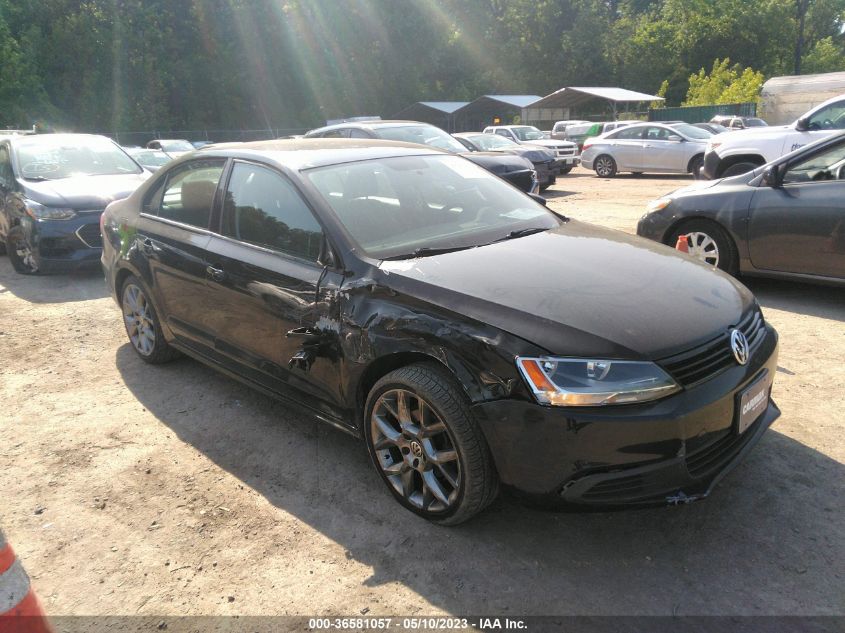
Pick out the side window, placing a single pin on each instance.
(505, 133)
(334, 134)
(6, 177)
(657, 134)
(629, 134)
(188, 194)
(356, 133)
(827, 165)
(830, 118)
(263, 208)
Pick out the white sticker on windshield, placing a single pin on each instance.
(522, 214)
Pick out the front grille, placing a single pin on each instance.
(90, 235)
(715, 456)
(569, 151)
(715, 356)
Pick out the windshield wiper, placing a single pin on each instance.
(521, 233)
(36, 178)
(425, 251)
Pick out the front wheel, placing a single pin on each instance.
(565, 170)
(605, 166)
(426, 446)
(21, 253)
(142, 324)
(708, 242)
(739, 168)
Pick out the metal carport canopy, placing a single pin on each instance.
(574, 97)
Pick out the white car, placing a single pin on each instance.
(566, 152)
(734, 153)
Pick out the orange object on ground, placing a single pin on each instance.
(20, 611)
(682, 244)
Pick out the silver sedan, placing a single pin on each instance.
(647, 147)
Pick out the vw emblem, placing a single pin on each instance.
(739, 346)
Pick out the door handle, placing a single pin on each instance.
(303, 333)
(149, 247)
(217, 274)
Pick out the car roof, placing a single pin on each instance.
(167, 140)
(306, 153)
(368, 124)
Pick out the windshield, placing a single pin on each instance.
(423, 134)
(755, 123)
(527, 133)
(492, 142)
(393, 207)
(46, 157)
(176, 146)
(151, 157)
(691, 131)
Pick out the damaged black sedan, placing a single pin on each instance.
(466, 333)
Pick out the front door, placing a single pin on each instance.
(276, 308)
(800, 226)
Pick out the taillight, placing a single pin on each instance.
(586, 146)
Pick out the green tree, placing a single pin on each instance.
(825, 57)
(724, 84)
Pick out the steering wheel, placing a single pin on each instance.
(827, 124)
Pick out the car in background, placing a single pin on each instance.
(201, 144)
(713, 128)
(53, 189)
(149, 159)
(515, 169)
(558, 131)
(175, 147)
(647, 147)
(566, 153)
(785, 219)
(733, 122)
(469, 336)
(581, 132)
(543, 159)
(732, 154)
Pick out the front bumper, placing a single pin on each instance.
(670, 451)
(566, 162)
(65, 245)
(525, 179)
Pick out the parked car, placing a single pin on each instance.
(466, 333)
(559, 128)
(647, 147)
(581, 132)
(732, 154)
(201, 144)
(543, 159)
(175, 147)
(566, 153)
(53, 189)
(713, 128)
(149, 159)
(515, 169)
(785, 219)
(733, 122)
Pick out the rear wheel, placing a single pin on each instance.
(739, 168)
(21, 254)
(695, 167)
(142, 324)
(708, 242)
(426, 446)
(605, 166)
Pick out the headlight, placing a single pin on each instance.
(40, 212)
(577, 382)
(657, 205)
(711, 145)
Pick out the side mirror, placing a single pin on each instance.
(771, 177)
(538, 198)
(675, 138)
(802, 124)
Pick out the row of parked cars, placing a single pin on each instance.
(404, 293)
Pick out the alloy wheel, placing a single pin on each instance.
(704, 247)
(138, 319)
(415, 451)
(604, 166)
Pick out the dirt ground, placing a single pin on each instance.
(129, 489)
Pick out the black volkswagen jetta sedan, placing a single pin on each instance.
(468, 334)
(53, 189)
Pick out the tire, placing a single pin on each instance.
(695, 167)
(739, 168)
(605, 166)
(402, 453)
(704, 236)
(140, 316)
(565, 170)
(2, 247)
(20, 252)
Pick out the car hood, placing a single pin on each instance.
(751, 134)
(581, 290)
(498, 162)
(83, 192)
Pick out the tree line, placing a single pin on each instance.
(122, 65)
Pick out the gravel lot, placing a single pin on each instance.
(128, 489)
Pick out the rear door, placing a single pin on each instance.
(275, 306)
(173, 232)
(627, 148)
(800, 226)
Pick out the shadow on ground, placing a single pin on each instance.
(79, 285)
(769, 541)
(826, 302)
